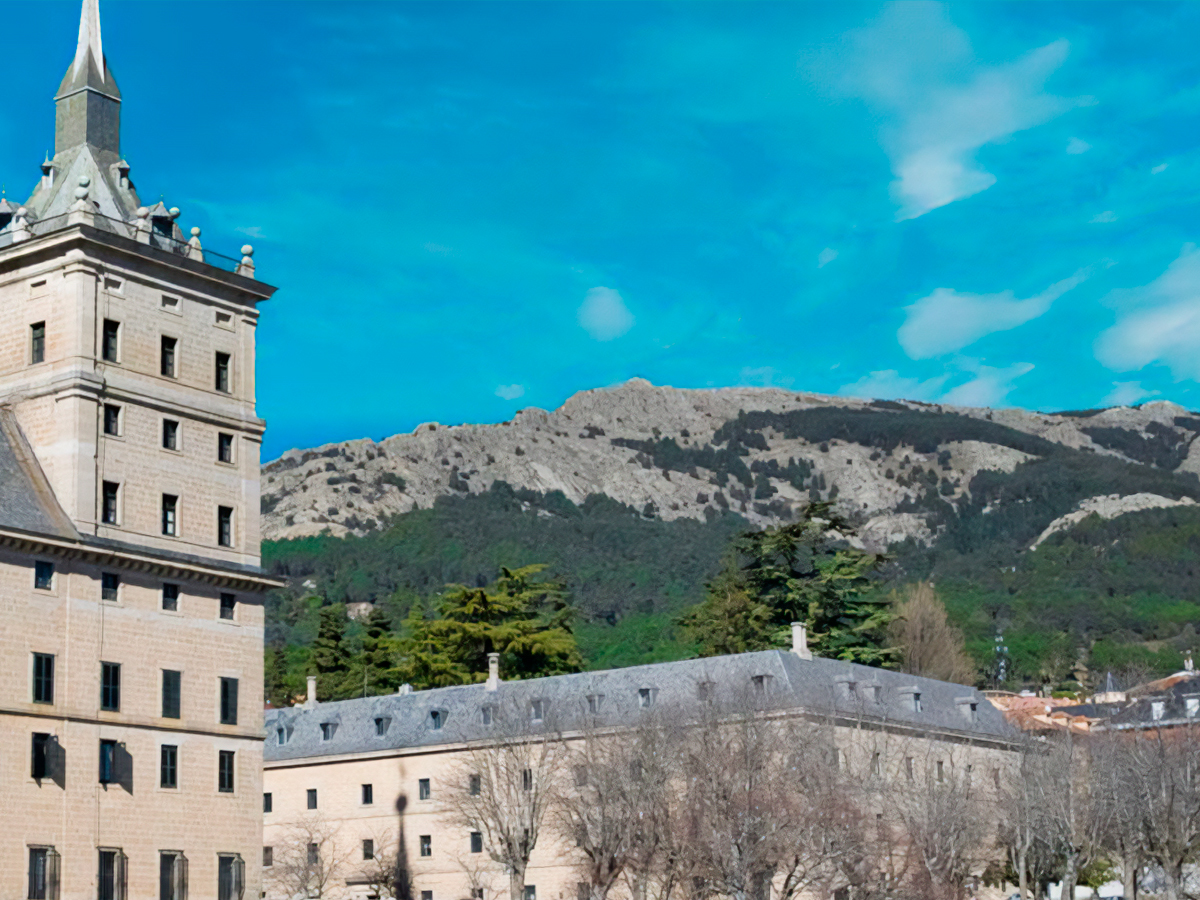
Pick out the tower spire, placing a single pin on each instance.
(89, 40)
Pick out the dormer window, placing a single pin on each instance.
(594, 701)
(381, 725)
(645, 698)
(537, 710)
(328, 730)
(486, 715)
(916, 701)
(1157, 709)
(1191, 706)
(283, 734)
(704, 691)
(163, 226)
(437, 718)
(759, 683)
(877, 693)
(969, 708)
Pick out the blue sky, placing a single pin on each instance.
(472, 208)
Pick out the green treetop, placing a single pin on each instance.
(527, 621)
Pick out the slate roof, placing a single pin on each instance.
(1174, 711)
(27, 502)
(817, 686)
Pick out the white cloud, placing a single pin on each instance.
(825, 257)
(889, 384)
(764, 376)
(1126, 393)
(1107, 216)
(604, 314)
(989, 387)
(939, 106)
(1075, 146)
(1157, 322)
(1159, 169)
(948, 320)
(510, 391)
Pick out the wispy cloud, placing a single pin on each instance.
(947, 320)
(888, 384)
(1158, 322)
(764, 376)
(825, 257)
(1103, 218)
(604, 314)
(510, 391)
(1127, 393)
(990, 386)
(1075, 146)
(939, 106)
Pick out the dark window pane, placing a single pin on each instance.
(225, 448)
(368, 794)
(108, 508)
(267, 802)
(170, 597)
(108, 762)
(43, 575)
(43, 678)
(42, 880)
(368, 848)
(312, 798)
(225, 526)
(171, 692)
(40, 763)
(229, 701)
(112, 419)
(170, 434)
(110, 586)
(423, 788)
(168, 357)
(225, 771)
(169, 521)
(426, 845)
(110, 340)
(168, 766)
(110, 686)
(476, 842)
(228, 605)
(37, 342)
(223, 372)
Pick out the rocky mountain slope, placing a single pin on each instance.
(897, 468)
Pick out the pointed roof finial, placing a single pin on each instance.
(89, 39)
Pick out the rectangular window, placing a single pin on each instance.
(37, 342)
(39, 766)
(229, 701)
(110, 342)
(168, 766)
(110, 686)
(530, 892)
(538, 710)
(314, 854)
(268, 857)
(426, 895)
(368, 794)
(110, 586)
(908, 768)
(312, 798)
(423, 788)
(381, 725)
(328, 730)
(876, 765)
(228, 606)
(43, 678)
(170, 597)
(43, 575)
(527, 779)
(645, 697)
(368, 848)
(167, 362)
(426, 845)
(941, 771)
(111, 876)
(170, 522)
(486, 715)
(231, 876)
(224, 448)
(225, 771)
(172, 875)
(268, 802)
(222, 383)
(108, 503)
(473, 785)
(43, 873)
(476, 841)
(112, 419)
(283, 734)
(225, 526)
(916, 701)
(171, 690)
(170, 435)
(108, 761)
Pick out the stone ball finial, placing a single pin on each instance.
(195, 231)
(173, 212)
(84, 181)
(22, 213)
(247, 250)
(142, 212)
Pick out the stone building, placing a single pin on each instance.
(354, 782)
(131, 657)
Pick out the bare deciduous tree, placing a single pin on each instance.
(309, 861)
(929, 644)
(505, 785)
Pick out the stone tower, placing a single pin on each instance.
(131, 659)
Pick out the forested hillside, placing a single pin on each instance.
(956, 496)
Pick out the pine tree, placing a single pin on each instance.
(330, 660)
(729, 620)
(802, 572)
(275, 677)
(528, 622)
(379, 654)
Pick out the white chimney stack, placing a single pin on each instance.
(800, 641)
(493, 679)
(312, 692)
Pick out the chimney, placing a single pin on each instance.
(800, 641)
(404, 689)
(493, 679)
(312, 692)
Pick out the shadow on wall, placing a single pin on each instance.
(402, 882)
